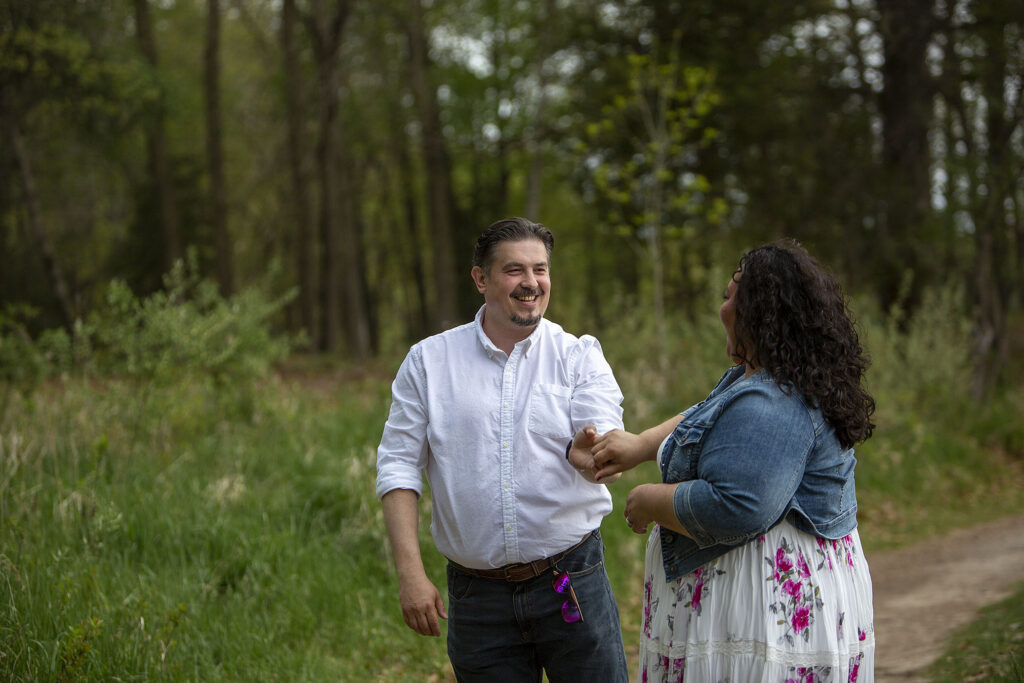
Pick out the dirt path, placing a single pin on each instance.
(926, 591)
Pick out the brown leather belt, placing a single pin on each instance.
(520, 572)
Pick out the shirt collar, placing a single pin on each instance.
(490, 349)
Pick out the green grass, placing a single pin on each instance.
(165, 541)
(197, 529)
(989, 649)
(190, 547)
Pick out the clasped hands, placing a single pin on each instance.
(602, 458)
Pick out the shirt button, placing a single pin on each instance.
(506, 404)
(505, 444)
(507, 484)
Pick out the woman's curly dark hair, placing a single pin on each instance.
(792, 319)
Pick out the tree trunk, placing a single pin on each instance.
(326, 32)
(215, 156)
(905, 106)
(305, 249)
(35, 222)
(412, 254)
(438, 169)
(536, 172)
(156, 146)
(994, 263)
(330, 295)
(358, 334)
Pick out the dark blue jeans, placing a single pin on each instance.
(504, 631)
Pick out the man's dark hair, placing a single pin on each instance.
(509, 230)
(792, 319)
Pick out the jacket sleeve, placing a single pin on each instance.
(402, 454)
(748, 471)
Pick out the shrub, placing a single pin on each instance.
(186, 330)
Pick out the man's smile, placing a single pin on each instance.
(526, 297)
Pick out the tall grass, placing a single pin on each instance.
(193, 515)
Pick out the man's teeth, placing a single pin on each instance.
(524, 297)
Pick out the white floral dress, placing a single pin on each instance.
(787, 607)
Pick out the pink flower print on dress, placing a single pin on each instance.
(679, 667)
(854, 668)
(782, 561)
(823, 553)
(792, 588)
(801, 618)
(647, 608)
(801, 565)
(804, 675)
(698, 590)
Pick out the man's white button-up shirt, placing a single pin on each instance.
(490, 430)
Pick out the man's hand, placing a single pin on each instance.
(420, 600)
(421, 605)
(581, 456)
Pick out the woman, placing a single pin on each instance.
(754, 569)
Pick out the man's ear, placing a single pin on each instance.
(480, 278)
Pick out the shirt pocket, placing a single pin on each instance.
(549, 411)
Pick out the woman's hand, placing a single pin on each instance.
(617, 451)
(652, 503)
(581, 456)
(638, 513)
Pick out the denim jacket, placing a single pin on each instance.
(748, 456)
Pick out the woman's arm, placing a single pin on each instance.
(750, 466)
(618, 450)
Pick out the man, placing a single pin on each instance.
(489, 410)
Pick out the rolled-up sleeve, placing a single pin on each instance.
(402, 454)
(596, 397)
(749, 469)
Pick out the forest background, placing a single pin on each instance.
(201, 200)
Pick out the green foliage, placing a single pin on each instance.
(187, 330)
(211, 353)
(647, 145)
(989, 649)
(26, 362)
(226, 549)
(933, 440)
(174, 538)
(696, 350)
(46, 60)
